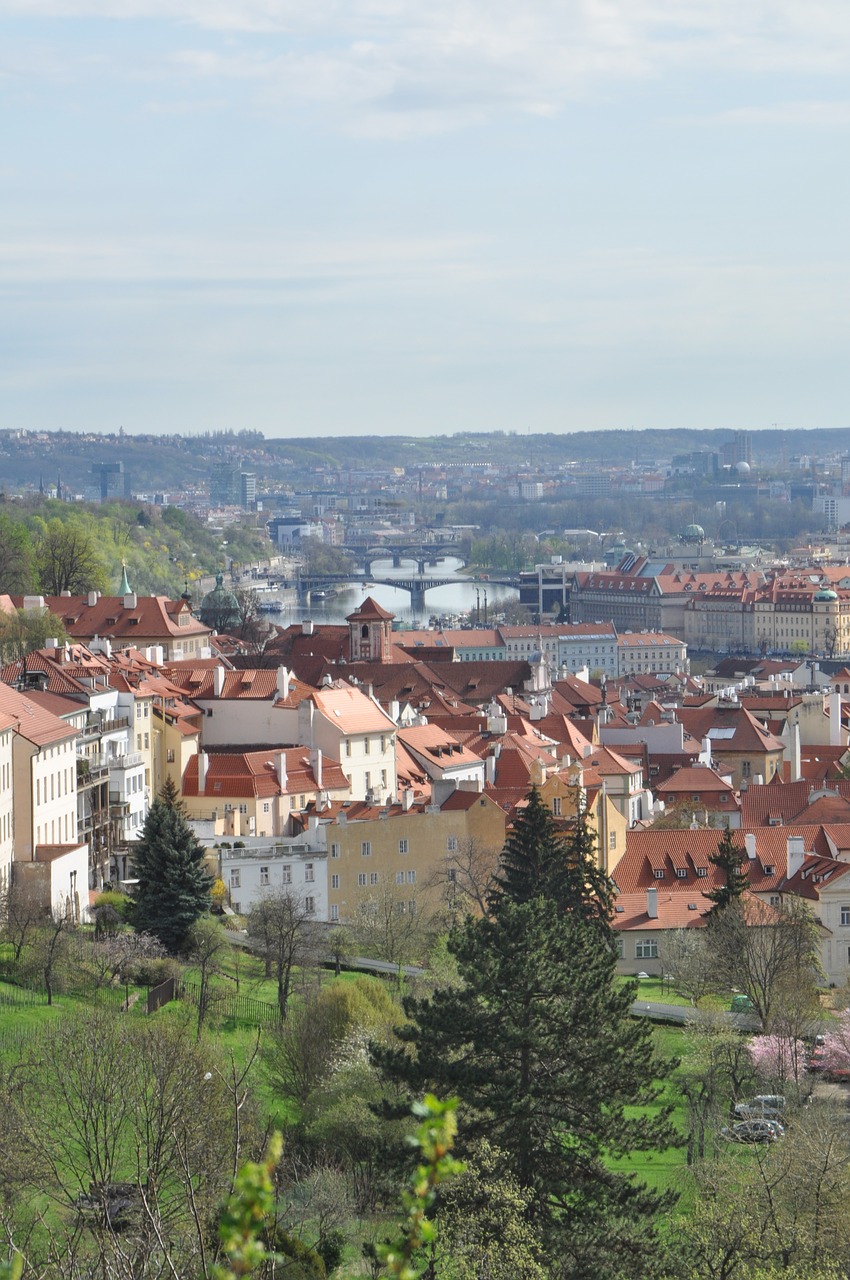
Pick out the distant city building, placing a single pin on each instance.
(109, 480)
(225, 485)
(247, 490)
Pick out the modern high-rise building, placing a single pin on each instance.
(110, 480)
(247, 490)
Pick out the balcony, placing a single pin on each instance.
(91, 771)
(128, 760)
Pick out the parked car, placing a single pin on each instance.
(753, 1131)
(762, 1106)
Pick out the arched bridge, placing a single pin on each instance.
(416, 586)
(424, 553)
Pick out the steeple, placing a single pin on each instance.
(124, 589)
(59, 486)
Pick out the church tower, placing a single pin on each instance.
(370, 631)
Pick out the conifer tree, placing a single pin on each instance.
(170, 796)
(538, 1044)
(731, 859)
(174, 886)
(539, 859)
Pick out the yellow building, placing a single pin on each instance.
(420, 854)
(564, 798)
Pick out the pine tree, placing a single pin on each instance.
(731, 859)
(174, 886)
(539, 859)
(170, 796)
(540, 1048)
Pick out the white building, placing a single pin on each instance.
(297, 868)
(352, 728)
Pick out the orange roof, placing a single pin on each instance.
(254, 774)
(33, 721)
(151, 617)
(351, 710)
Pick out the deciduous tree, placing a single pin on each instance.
(281, 926)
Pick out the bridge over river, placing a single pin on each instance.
(416, 585)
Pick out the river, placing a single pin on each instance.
(460, 596)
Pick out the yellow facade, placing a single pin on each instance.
(409, 853)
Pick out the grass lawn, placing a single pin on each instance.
(661, 1170)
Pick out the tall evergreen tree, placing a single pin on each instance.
(539, 859)
(539, 1046)
(732, 860)
(174, 886)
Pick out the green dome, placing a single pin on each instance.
(826, 593)
(219, 608)
(694, 533)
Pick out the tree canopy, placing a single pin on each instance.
(538, 1045)
(174, 886)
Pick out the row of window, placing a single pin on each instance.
(403, 847)
(367, 745)
(265, 875)
(60, 784)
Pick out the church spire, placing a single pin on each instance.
(125, 589)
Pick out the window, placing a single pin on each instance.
(383, 744)
(235, 878)
(659, 874)
(334, 912)
(845, 915)
(309, 875)
(399, 877)
(348, 746)
(361, 879)
(367, 778)
(147, 741)
(169, 756)
(309, 905)
(612, 840)
(286, 874)
(365, 746)
(383, 777)
(702, 872)
(411, 877)
(334, 850)
(451, 875)
(265, 806)
(334, 882)
(411, 906)
(366, 849)
(264, 875)
(646, 949)
(403, 846)
(243, 808)
(556, 807)
(775, 900)
(451, 844)
(746, 769)
(373, 877)
(619, 949)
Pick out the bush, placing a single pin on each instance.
(120, 903)
(151, 971)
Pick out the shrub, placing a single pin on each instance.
(120, 903)
(151, 971)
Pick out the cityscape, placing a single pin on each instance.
(424, 641)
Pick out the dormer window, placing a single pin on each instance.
(769, 870)
(681, 873)
(659, 874)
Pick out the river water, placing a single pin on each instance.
(460, 596)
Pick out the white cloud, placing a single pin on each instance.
(398, 65)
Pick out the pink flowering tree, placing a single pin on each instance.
(778, 1057)
(836, 1045)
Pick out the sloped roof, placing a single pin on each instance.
(33, 720)
(151, 617)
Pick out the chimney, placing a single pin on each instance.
(407, 799)
(795, 761)
(202, 772)
(307, 627)
(218, 681)
(490, 770)
(835, 735)
(316, 765)
(159, 654)
(92, 599)
(130, 600)
(395, 710)
(750, 844)
(281, 770)
(282, 682)
(51, 643)
(652, 903)
(796, 854)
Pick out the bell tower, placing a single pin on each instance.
(370, 631)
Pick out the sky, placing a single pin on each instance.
(329, 217)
